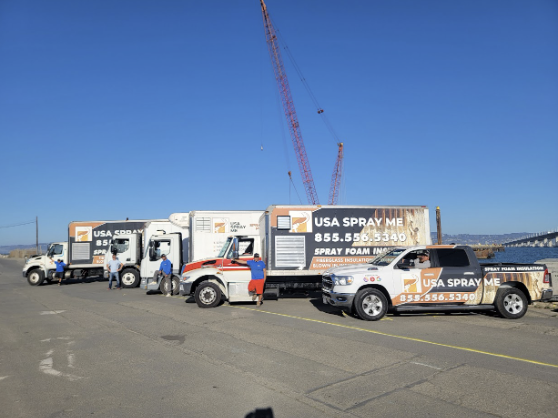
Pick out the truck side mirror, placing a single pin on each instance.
(235, 254)
(152, 252)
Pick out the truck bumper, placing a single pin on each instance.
(547, 296)
(341, 300)
(185, 288)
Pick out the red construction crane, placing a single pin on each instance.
(288, 107)
(336, 177)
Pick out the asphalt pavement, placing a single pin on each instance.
(82, 350)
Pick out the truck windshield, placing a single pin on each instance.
(224, 248)
(387, 258)
(54, 249)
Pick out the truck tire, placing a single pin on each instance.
(35, 277)
(130, 278)
(165, 286)
(207, 295)
(511, 303)
(371, 304)
(175, 286)
(50, 277)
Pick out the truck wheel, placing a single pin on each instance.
(175, 286)
(50, 277)
(371, 304)
(165, 286)
(130, 278)
(207, 295)
(511, 303)
(35, 277)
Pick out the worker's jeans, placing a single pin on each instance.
(115, 274)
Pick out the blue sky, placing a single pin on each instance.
(115, 109)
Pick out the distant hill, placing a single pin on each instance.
(469, 239)
(5, 249)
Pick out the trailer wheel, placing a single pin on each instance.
(207, 295)
(130, 278)
(371, 304)
(511, 303)
(35, 277)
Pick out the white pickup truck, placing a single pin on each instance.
(454, 281)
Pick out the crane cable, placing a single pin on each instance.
(320, 110)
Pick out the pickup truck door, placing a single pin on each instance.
(413, 285)
(460, 280)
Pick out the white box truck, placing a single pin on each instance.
(207, 232)
(298, 243)
(89, 241)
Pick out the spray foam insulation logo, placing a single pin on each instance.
(301, 221)
(220, 225)
(84, 233)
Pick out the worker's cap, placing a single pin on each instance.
(163, 255)
(256, 255)
(59, 260)
(423, 252)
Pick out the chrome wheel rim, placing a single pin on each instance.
(128, 279)
(513, 304)
(372, 305)
(34, 277)
(208, 295)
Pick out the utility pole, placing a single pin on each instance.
(37, 232)
(439, 224)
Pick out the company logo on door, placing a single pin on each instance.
(411, 283)
(301, 221)
(84, 233)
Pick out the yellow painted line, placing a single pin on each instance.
(385, 334)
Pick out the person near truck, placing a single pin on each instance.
(59, 274)
(166, 269)
(256, 284)
(423, 260)
(114, 266)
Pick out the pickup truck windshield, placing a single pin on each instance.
(224, 248)
(387, 258)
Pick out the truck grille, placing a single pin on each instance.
(327, 283)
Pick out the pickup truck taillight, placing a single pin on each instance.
(546, 277)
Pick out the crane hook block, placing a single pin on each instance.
(320, 111)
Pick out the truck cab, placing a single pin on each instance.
(221, 278)
(127, 248)
(170, 245)
(41, 267)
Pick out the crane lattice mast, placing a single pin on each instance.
(288, 107)
(336, 177)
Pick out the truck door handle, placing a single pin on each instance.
(127, 259)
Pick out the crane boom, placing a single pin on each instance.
(288, 107)
(336, 177)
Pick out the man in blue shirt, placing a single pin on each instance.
(166, 269)
(259, 275)
(59, 270)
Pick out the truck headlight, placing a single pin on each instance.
(343, 280)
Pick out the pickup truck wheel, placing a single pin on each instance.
(511, 303)
(130, 278)
(371, 304)
(35, 277)
(207, 295)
